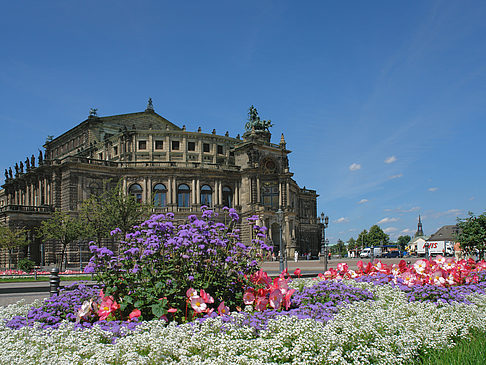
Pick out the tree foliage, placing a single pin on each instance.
(402, 241)
(352, 244)
(11, 238)
(112, 209)
(377, 237)
(339, 248)
(62, 227)
(362, 240)
(472, 233)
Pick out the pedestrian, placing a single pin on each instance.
(329, 255)
(273, 256)
(296, 256)
(457, 251)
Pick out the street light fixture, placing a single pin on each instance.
(325, 223)
(279, 220)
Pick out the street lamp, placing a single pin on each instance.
(325, 223)
(279, 220)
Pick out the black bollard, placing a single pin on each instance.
(54, 281)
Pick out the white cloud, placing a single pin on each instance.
(390, 159)
(389, 229)
(362, 201)
(433, 189)
(401, 210)
(388, 220)
(406, 230)
(395, 176)
(354, 167)
(342, 220)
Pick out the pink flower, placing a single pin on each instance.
(107, 306)
(172, 310)
(191, 293)
(222, 309)
(206, 297)
(297, 272)
(286, 300)
(134, 314)
(85, 309)
(275, 299)
(261, 303)
(248, 298)
(197, 303)
(342, 267)
(260, 277)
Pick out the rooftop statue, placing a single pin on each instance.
(254, 121)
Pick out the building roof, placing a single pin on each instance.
(445, 233)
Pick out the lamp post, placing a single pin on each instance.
(279, 220)
(325, 223)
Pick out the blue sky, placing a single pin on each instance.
(381, 102)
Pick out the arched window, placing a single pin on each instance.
(206, 195)
(160, 195)
(136, 190)
(183, 193)
(95, 189)
(227, 197)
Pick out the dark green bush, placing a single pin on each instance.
(26, 265)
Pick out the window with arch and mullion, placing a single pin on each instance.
(227, 197)
(183, 196)
(160, 195)
(206, 196)
(136, 191)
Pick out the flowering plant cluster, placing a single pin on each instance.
(268, 293)
(82, 305)
(159, 261)
(20, 272)
(440, 271)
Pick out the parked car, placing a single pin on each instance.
(392, 254)
(367, 252)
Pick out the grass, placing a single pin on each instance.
(43, 278)
(467, 352)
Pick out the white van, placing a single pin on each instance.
(367, 252)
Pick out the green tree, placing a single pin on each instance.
(352, 244)
(12, 238)
(362, 240)
(377, 237)
(63, 228)
(472, 233)
(112, 209)
(402, 241)
(339, 248)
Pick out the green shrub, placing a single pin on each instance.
(26, 265)
(159, 262)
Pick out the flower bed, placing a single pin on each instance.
(158, 307)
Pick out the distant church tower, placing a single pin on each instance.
(420, 232)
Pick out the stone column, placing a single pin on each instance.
(194, 192)
(236, 198)
(169, 190)
(258, 201)
(174, 191)
(198, 192)
(287, 203)
(220, 193)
